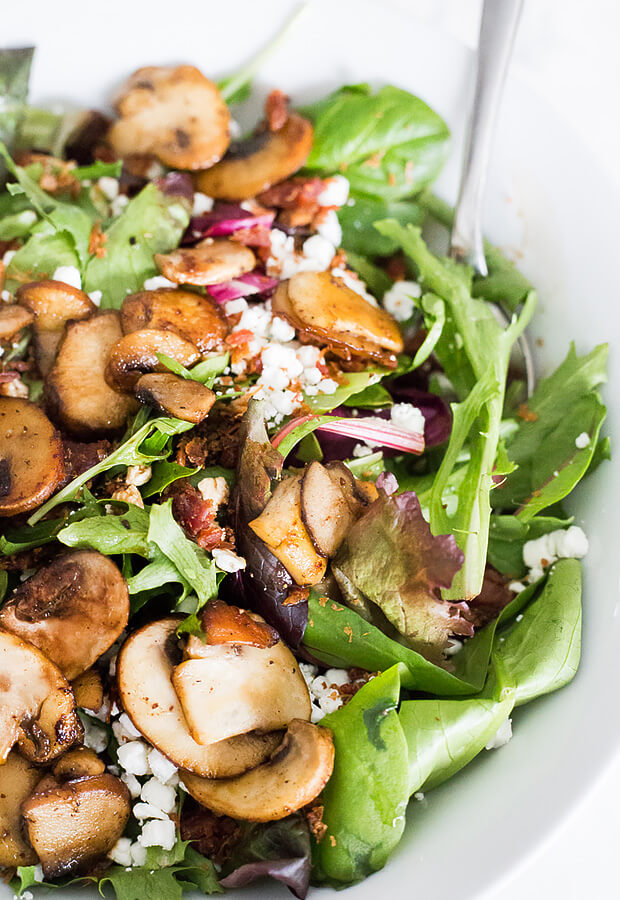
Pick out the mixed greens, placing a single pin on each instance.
(283, 538)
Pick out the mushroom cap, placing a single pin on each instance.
(265, 159)
(77, 394)
(175, 396)
(12, 319)
(136, 353)
(71, 825)
(31, 457)
(72, 609)
(18, 779)
(55, 728)
(210, 261)
(144, 670)
(196, 318)
(174, 113)
(296, 773)
(27, 679)
(77, 763)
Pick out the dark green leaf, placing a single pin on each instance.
(507, 535)
(376, 280)
(163, 474)
(358, 230)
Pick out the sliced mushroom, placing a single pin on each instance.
(136, 353)
(281, 527)
(12, 319)
(144, 670)
(324, 509)
(297, 772)
(18, 779)
(209, 262)
(88, 691)
(78, 763)
(359, 494)
(53, 304)
(175, 396)
(30, 685)
(77, 394)
(72, 609)
(31, 457)
(175, 113)
(72, 825)
(232, 688)
(54, 729)
(324, 310)
(194, 317)
(264, 159)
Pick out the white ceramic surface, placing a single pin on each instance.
(549, 204)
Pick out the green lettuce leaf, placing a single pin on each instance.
(111, 534)
(357, 220)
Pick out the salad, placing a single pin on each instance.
(283, 540)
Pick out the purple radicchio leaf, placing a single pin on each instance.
(391, 558)
(226, 218)
(279, 850)
(176, 184)
(265, 583)
(253, 284)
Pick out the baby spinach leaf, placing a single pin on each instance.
(375, 396)
(540, 653)
(152, 222)
(366, 797)
(508, 534)
(389, 144)
(355, 382)
(163, 474)
(25, 538)
(357, 220)
(376, 280)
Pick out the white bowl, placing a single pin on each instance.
(549, 203)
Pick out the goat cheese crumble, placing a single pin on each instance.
(157, 282)
(582, 440)
(408, 417)
(565, 543)
(501, 736)
(398, 300)
(69, 275)
(228, 561)
(335, 192)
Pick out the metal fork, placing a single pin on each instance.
(498, 28)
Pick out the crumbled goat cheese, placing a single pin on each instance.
(284, 261)
(138, 854)
(162, 796)
(228, 561)
(419, 796)
(335, 192)
(133, 785)
(214, 490)
(96, 296)
(453, 647)
(361, 450)
(108, 186)
(124, 730)
(161, 767)
(408, 417)
(118, 204)
(398, 300)
(158, 834)
(235, 129)
(329, 228)
(6, 296)
(138, 475)
(501, 736)
(95, 738)
(324, 693)
(69, 275)
(202, 204)
(121, 852)
(132, 757)
(232, 307)
(516, 587)
(565, 543)
(157, 282)
(8, 256)
(280, 330)
(582, 440)
(147, 811)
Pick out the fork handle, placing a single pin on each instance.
(498, 27)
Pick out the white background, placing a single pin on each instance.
(568, 51)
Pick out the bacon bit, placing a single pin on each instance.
(349, 632)
(240, 337)
(396, 267)
(213, 536)
(256, 236)
(189, 508)
(374, 161)
(2, 274)
(332, 840)
(8, 376)
(296, 595)
(297, 198)
(213, 836)
(317, 826)
(525, 413)
(391, 179)
(276, 110)
(339, 260)
(57, 176)
(97, 241)
(323, 601)
(409, 167)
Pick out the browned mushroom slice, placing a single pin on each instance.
(77, 394)
(55, 728)
(175, 113)
(53, 304)
(144, 672)
(298, 771)
(12, 319)
(72, 610)
(254, 165)
(175, 396)
(88, 691)
(18, 779)
(230, 688)
(28, 680)
(136, 353)
(209, 262)
(72, 825)
(281, 527)
(224, 624)
(31, 458)
(195, 318)
(78, 763)
(324, 509)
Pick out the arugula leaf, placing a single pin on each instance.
(302, 431)
(112, 534)
(17, 225)
(355, 383)
(194, 564)
(26, 538)
(205, 372)
(389, 145)
(152, 222)
(357, 220)
(163, 474)
(366, 797)
(434, 311)
(154, 577)
(98, 169)
(133, 452)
